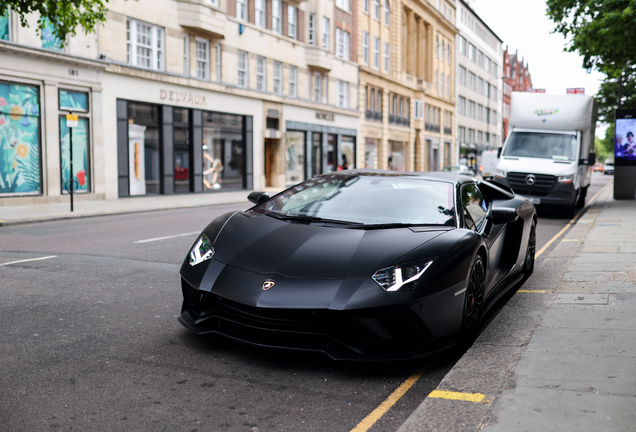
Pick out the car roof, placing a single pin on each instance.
(428, 175)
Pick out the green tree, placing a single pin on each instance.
(64, 15)
(607, 96)
(602, 32)
(605, 147)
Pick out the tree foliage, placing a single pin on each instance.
(607, 96)
(601, 31)
(64, 15)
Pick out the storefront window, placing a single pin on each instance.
(19, 139)
(223, 151)
(331, 153)
(182, 150)
(77, 102)
(295, 157)
(371, 153)
(397, 156)
(143, 149)
(347, 153)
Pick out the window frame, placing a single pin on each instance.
(376, 52)
(325, 32)
(365, 47)
(260, 14)
(293, 81)
(387, 57)
(200, 61)
(261, 73)
(242, 74)
(343, 94)
(277, 16)
(292, 21)
(277, 77)
(242, 12)
(156, 58)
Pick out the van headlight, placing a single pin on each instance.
(501, 173)
(566, 178)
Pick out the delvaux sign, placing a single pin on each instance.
(325, 116)
(187, 98)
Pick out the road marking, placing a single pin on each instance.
(28, 260)
(532, 291)
(467, 397)
(547, 245)
(166, 237)
(377, 413)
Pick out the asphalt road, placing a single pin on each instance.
(90, 341)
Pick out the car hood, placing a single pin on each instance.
(266, 245)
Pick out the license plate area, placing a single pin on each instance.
(535, 201)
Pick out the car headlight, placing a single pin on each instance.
(202, 250)
(501, 173)
(566, 178)
(402, 277)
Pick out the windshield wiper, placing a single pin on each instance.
(392, 225)
(307, 218)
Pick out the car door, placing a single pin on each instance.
(476, 206)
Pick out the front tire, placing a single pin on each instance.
(473, 302)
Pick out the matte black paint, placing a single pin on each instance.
(322, 274)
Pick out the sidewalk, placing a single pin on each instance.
(561, 355)
(13, 215)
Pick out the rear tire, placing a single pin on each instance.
(473, 302)
(528, 266)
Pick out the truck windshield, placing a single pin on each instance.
(542, 145)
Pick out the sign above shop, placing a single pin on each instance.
(187, 98)
(325, 116)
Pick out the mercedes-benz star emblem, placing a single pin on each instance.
(268, 284)
(530, 179)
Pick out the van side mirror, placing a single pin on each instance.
(499, 152)
(258, 197)
(592, 159)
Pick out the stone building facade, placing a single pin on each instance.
(406, 53)
(516, 77)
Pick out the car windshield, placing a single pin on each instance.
(543, 145)
(367, 200)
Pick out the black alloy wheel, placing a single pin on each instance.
(474, 302)
(530, 252)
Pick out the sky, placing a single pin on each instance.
(524, 27)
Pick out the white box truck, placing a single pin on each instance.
(549, 155)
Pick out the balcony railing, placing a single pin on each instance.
(373, 115)
(448, 131)
(403, 121)
(431, 127)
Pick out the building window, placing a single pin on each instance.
(437, 46)
(203, 58)
(145, 45)
(462, 105)
(317, 87)
(213, 2)
(218, 62)
(312, 29)
(325, 33)
(344, 5)
(462, 75)
(344, 44)
(292, 22)
(278, 78)
(387, 13)
(387, 56)
(376, 53)
(293, 81)
(448, 53)
(448, 86)
(419, 109)
(376, 9)
(277, 16)
(259, 13)
(365, 47)
(241, 10)
(261, 80)
(365, 6)
(5, 26)
(471, 109)
(186, 55)
(242, 69)
(436, 81)
(343, 94)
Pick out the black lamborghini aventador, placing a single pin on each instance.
(360, 264)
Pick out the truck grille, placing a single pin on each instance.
(542, 186)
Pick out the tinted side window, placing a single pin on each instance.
(475, 205)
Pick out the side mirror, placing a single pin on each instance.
(499, 152)
(502, 215)
(258, 197)
(592, 159)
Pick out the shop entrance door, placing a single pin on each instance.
(271, 147)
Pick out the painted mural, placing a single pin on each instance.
(19, 139)
(49, 37)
